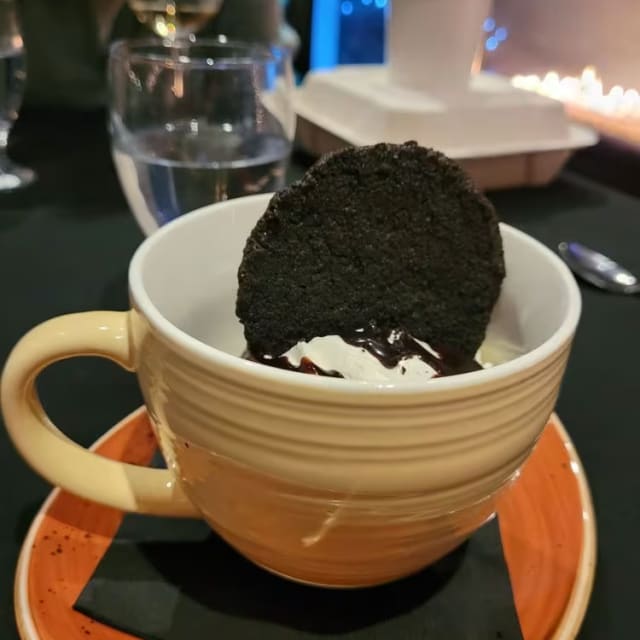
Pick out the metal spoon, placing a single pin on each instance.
(598, 269)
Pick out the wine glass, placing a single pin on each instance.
(175, 18)
(12, 80)
(195, 121)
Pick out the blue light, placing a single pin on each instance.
(489, 24)
(325, 32)
(501, 34)
(491, 44)
(381, 4)
(366, 3)
(346, 8)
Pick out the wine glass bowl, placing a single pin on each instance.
(12, 81)
(175, 18)
(196, 121)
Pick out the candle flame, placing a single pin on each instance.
(585, 91)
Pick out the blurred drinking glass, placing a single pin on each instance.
(175, 18)
(12, 80)
(198, 121)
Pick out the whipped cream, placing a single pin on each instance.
(332, 354)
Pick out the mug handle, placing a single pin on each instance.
(57, 458)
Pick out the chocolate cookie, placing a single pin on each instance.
(391, 234)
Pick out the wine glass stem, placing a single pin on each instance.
(12, 175)
(4, 158)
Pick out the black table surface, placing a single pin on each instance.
(65, 244)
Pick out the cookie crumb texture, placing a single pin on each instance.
(391, 234)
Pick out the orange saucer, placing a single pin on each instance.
(546, 521)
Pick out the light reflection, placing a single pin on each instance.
(501, 34)
(346, 8)
(491, 44)
(625, 278)
(489, 25)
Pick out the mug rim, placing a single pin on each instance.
(212, 355)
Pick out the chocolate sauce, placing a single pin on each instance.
(389, 347)
(305, 366)
(282, 362)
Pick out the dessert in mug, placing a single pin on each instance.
(342, 483)
(382, 264)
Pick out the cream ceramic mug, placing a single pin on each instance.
(325, 481)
